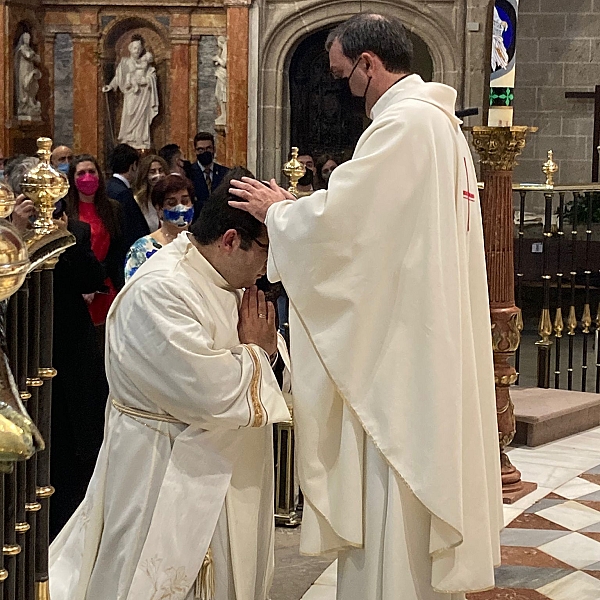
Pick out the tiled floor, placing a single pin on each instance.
(551, 545)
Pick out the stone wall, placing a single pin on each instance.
(558, 50)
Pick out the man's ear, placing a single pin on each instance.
(371, 60)
(230, 240)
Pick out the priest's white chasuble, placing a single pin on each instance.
(164, 491)
(391, 355)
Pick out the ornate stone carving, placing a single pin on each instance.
(498, 147)
(136, 78)
(506, 336)
(27, 76)
(220, 61)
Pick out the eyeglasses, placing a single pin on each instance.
(259, 244)
(338, 76)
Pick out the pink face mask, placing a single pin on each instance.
(87, 184)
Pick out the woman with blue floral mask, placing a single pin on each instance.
(173, 199)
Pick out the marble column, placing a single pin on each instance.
(63, 89)
(193, 97)
(179, 96)
(238, 21)
(498, 148)
(85, 95)
(48, 99)
(207, 103)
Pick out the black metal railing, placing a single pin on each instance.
(557, 273)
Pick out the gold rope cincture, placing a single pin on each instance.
(137, 413)
(205, 583)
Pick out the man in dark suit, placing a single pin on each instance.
(206, 174)
(123, 164)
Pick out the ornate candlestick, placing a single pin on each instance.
(550, 168)
(45, 186)
(498, 148)
(293, 170)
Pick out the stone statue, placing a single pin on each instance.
(499, 53)
(27, 76)
(220, 61)
(136, 78)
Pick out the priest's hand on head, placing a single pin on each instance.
(257, 196)
(257, 321)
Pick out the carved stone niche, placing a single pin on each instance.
(23, 132)
(114, 42)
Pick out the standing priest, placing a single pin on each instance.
(390, 338)
(181, 502)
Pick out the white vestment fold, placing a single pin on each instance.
(390, 337)
(160, 489)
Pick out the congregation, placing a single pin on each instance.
(119, 221)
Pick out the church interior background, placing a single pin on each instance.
(275, 91)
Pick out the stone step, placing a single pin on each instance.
(547, 415)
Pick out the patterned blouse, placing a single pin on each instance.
(139, 253)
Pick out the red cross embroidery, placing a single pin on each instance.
(468, 196)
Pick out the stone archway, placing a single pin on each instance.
(324, 117)
(288, 27)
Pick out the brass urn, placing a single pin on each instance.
(14, 259)
(45, 186)
(293, 170)
(7, 200)
(19, 437)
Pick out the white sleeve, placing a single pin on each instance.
(158, 349)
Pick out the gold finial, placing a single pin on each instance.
(293, 170)
(559, 324)
(550, 168)
(545, 327)
(572, 321)
(45, 186)
(586, 319)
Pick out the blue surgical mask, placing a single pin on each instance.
(179, 215)
(63, 168)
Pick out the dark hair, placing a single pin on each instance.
(320, 162)
(103, 205)
(142, 186)
(382, 35)
(217, 217)
(204, 136)
(304, 152)
(169, 152)
(168, 185)
(122, 157)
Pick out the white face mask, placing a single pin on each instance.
(154, 179)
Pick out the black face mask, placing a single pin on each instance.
(307, 178)
(205, 158)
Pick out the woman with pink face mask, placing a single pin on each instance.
(87, 201)
(152, 169)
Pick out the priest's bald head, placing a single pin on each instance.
(372, 52)
(233, 241)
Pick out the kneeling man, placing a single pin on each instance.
(181, 502)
